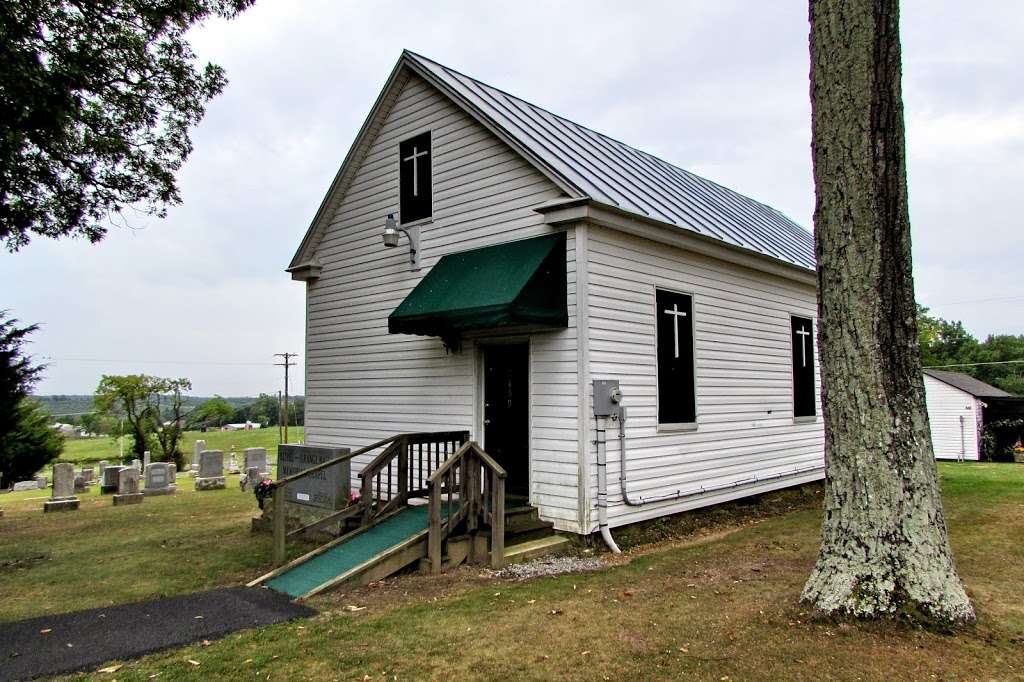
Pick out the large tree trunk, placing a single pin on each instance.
(884, 548)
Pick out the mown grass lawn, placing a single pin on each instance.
(712, 606)
(86, 451)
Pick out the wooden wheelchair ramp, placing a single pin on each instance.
(358, 558)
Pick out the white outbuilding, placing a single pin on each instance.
(956, 405)
(626, 338)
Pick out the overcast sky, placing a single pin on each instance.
(719, 88)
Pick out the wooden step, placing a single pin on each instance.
(531, 549)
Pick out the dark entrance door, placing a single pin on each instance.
(506, 413)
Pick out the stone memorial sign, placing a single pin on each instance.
(328, 488)
(63, 498)
(256, 457)
(158, 479)
(108, 483)
(127, 487)
(211, 470)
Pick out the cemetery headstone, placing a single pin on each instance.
(173, 472)
(88, 475)
(200, 446)
(22, 486)
(103, 464)
(127, 487)
(256, 457)
(145, 460)
(63, 498)
(328, 488)
(137, 464)
(108, 483)
(158, 479)
(80, 485)
(211, 470)
(41, 482)
(251, 478)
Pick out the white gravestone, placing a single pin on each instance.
(232, 464)
(158, 479)
(127, 487)
(211, 470)
(145, 460)
(200, 446)
(137, 464)
(63, 489)
(22, 486)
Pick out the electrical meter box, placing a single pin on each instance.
(607, 397)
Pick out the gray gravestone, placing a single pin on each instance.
(108, 483)
(63, 489)
(80, 485)
(199, 447)
(251, 478)
(137, 464)
(145, 459)
(22, 486)
(256, 457)
(173, 472)
(158, 479)
(41, 482)
(127, 487)
(103, 464)
(211, 470)
(328, 488)
(88, 475)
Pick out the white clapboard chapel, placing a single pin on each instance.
(627, 339)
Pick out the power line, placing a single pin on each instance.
(159, 362)
(286, 364)
(974, 364)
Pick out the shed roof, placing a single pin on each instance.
(585, 163)
(968, 384)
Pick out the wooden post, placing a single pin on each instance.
(434, 532)
(366, 498)
(279, 525)
(497, 521)
(403, 472)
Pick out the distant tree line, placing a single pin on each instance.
(948, 343)
(264, 410)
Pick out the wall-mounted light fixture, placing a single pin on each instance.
(393, 232)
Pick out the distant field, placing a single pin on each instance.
(90, 450)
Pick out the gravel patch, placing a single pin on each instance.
(550, 566)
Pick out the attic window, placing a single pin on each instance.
(414, 179)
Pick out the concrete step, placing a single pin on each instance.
(531, 549)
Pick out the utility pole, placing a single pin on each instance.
(280, 421)
(286, 364)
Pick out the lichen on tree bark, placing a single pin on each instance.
(885, 550)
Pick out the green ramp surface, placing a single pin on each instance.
(347, 555)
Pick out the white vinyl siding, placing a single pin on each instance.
(953, 415)
(364, 384)
(745, 423)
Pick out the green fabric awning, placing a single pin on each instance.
(508, 285)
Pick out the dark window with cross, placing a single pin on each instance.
(414, 178)
(802, 334)
(677, 403)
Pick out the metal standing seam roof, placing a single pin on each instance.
(616, 174)
(968, 384)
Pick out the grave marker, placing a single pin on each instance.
(127, 487)
(328, 488)
(211, 470)
(158, 479)
(256, 457)
(108, 482)
(63, 498)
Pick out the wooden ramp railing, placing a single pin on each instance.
(468, 487)
(401, 470)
